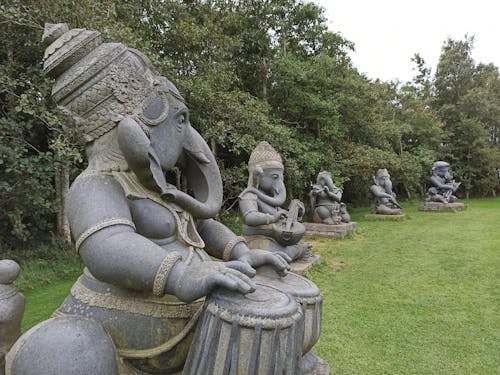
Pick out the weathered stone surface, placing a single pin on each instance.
(314, 365)
(443, 185)
(11, 308)
(301, 266)
(328, 230)
(326, 201)
(442, 207)
(260, 206)
(385, 217)
(383, 198)
(9, 270)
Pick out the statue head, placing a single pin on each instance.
(324, 178)
(383, 179)
(130, 117)
(265, 169)
(441, 169)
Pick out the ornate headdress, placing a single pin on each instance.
(382, 173)
(97, 84)
(263, 156)
(440, 164)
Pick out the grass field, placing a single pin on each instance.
(420, 296)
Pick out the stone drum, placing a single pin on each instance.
(308, 296)
(257, 333)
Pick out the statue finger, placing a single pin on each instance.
(240, 276)
(231, 282)
(243, 267)
(283, 255)
(277, 261)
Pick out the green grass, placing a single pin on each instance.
(45, 284)
(420, 296)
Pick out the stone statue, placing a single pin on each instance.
(11, 308)
(442, 184)
(139, 307)
(384, 199)
(265, 224)
(326, 201)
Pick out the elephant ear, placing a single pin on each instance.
(140, 156)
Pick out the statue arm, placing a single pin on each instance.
(435, 181)
(118, 255)
(222, 243)
(216, 237)
(335, 195)
(114, 253)
(250, 213)
(379, 193)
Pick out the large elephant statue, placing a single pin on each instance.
(147, 246)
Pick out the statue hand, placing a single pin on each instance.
(257, 258)
(280, 214)
(198, 280)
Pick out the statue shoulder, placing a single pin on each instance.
(94, 186)
(93, 199)
(247, 195)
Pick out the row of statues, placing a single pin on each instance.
(167, 289)
(440, 192)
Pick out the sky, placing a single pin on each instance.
(387, 33)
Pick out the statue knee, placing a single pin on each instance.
(67, 345)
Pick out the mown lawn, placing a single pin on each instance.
(420, 296)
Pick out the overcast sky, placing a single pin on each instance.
(387, 33)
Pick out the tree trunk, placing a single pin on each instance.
(213, 146)
(408, 194)
(62, 188)
(264, 68)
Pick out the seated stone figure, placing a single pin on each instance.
(326, 201)
(442, 184)
(384, 199)
(265, 224)
(145, 244)
(11, 308)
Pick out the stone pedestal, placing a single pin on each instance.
(330, 230)
(385, 217)
(442, 207)
(314, 365)
(301, 266)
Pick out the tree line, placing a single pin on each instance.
(250, 71)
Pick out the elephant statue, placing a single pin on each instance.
(265, 224)
(383, 198)
(442, 184)
(326, 201)
(149, 249)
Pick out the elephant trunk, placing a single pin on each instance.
(203, 177)
(275, 201)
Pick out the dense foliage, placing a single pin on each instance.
(250, 71)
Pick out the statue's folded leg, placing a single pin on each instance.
(86, 346)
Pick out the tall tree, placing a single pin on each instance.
(467, 103)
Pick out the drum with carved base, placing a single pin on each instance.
(257, 333)
(307, 295)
